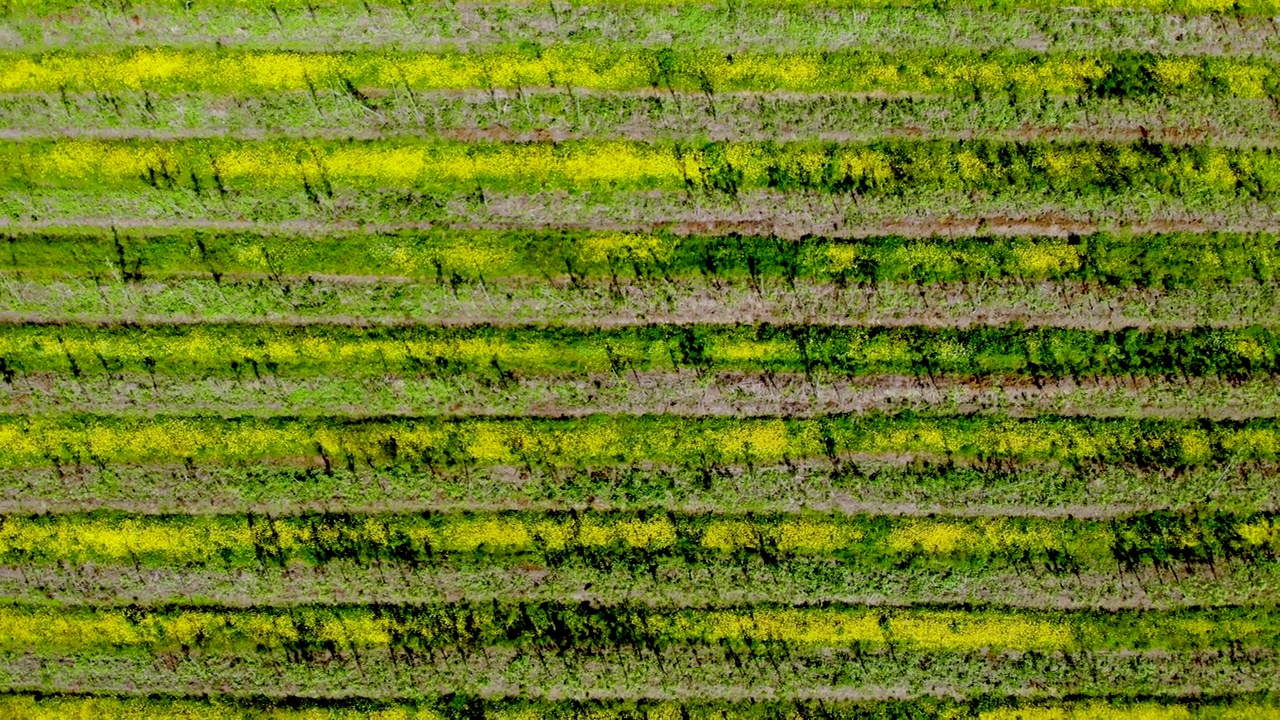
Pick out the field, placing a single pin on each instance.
(640, 359)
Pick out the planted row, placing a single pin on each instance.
(588, 67)
(1195, 174)
(1169, 260)
(448, 444)
(312, 629)
(596, 67)
(238, 350)
(863, 540)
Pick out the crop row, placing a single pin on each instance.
(318, 538)
(468, 625)
(33, 707)
(316, 350)
(216, 167)
(614, 440)
(598, 68)
(1167, 260)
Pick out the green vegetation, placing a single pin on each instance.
(563, 114)
(639, 360)
(39, 708)
(831, 486)
(1171, 260)
(591, 68)
(211, 350)
(596, 441)
(401, 182)
(795, 27)
(555, 537)
(304, 631)
(32, 7)
(888, 167)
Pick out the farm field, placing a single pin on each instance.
(640, 359)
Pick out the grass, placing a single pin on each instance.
(625, 675)
(1165, 260)
(596, 441)
(533, 114)
(796, 212)
(592, 68)
(310, 301)
(791, 28)
(234, 351)
(565, 114)
(704, 580)
(28, 7)
(594, 279)
(889, 485)
(634, 359)
(656, 560)
(939, 630)
(231, 540)
(27, 707)
(887, 167)
(674, 393)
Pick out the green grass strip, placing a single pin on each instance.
(46, 707)
(1167, 260)
(472, 626)
(318, 350)
(26, 8)
(731, 28)
(613, 440)
(592, 67)
(921, 486)
(601, 116)
(876, 541)
(216, 167)
(53, 707)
